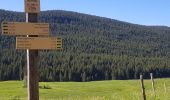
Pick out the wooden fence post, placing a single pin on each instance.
(165, 87)
(153, 84)
(142, 87)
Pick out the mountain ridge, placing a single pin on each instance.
(93, 16)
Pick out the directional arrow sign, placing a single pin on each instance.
(32, 6)
(22, 28)
(39, 43)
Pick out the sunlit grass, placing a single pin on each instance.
(101, 90)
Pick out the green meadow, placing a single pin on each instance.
(98, 90)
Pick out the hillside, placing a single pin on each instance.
(95, 48)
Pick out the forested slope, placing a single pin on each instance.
(95, 48)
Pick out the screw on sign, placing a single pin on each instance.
(32, 6)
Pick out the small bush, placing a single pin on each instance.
(45, 87)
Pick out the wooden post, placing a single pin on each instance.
(165, 87)
(142, 87)
(153, 84)
(32, 62)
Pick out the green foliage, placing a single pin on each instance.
(95, 48)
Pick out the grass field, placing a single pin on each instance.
(101, 90)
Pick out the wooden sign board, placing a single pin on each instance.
(22, 28)
(39, 43)
(32, 6)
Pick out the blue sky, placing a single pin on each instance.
(145, 12)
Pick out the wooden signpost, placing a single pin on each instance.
(32, 6)
(32, 42)
(32, 62)
(35, 43)
(21, 28)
